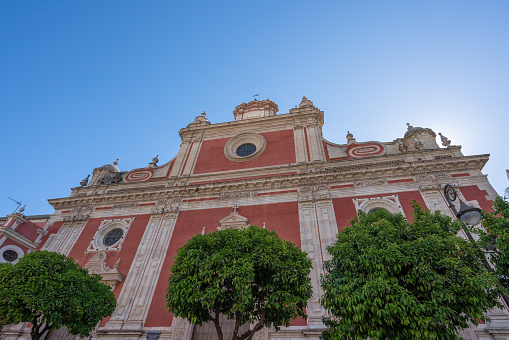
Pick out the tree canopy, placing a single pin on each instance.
(249, 275)
(392, 279)
(496, 225)
(50, 290)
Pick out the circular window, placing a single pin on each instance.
(10, 255)
(246, 150)
(113, 236)
(244, 147)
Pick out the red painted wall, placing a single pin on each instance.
(280, 149)
(127, 253)
(472, 192)
(282, 217)
(28, 229)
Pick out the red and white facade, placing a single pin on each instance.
(292, 181)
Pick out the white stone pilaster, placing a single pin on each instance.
(63, 241)
(147, 287)
(300, 144)
(141, 280)
(327, 225)
(191, 159)
(180, 158)
(310, 243)
(315, 144)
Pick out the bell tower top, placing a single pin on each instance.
(255, 109)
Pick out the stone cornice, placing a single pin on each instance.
(309, 174)
(258, 124)
(15, 236)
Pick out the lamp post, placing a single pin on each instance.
(469, 215)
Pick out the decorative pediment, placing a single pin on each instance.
(110, 276)
(234, 220)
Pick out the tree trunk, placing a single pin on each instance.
(217, 325)
(34, 332)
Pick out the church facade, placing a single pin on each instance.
(263, 168)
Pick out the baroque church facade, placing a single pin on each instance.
(263, 168)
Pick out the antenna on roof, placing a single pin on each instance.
(18, 203)
(256, 95)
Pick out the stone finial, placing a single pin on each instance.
(203, 231)
(20, 210)
(201, 120)
(264, 227)
(409, 126)
(115, 162)
(155, 160)
(84, 182)
(349, 138)
(445, 142)
(305, 102)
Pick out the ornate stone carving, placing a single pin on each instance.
(83, 208)
(430, 187)
(445, 142)
(124, 206)
(389, 203)
(401, 146)
(234, 220)
(417, 144)
(371, 183)
(182, 329)
(106, 226)
(424, 177)
(76, 218)
(111, 178)
(84, 182)
(227, 196)
(200, 120)
(97, 265)
(442, 175)
(153, 335)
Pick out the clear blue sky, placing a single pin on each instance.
(85, 82)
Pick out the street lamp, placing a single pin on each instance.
(469, 215)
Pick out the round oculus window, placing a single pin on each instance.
(113, 236)
(246, 150)
(10, 255)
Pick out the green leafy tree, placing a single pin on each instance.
(496, 234)
(50, 290)
(392, 279)
(249, 275)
